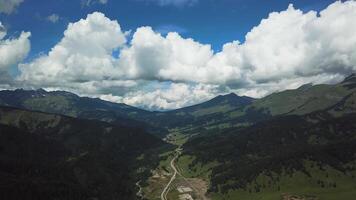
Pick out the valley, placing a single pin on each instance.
(296, 144)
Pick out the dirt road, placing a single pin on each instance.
(166, 189)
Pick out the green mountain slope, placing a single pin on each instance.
(47, 156)
(306, 99)
(259, 159)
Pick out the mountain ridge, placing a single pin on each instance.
(228, 110)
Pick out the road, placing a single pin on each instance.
(139, 193)
(166, 189)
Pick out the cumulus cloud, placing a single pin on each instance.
(287, 49)
(286, 45)
(176, 95)
(13, 50)
(82, 57)
(53, 18)
(9, 6)
(294, 44)
(152, 56)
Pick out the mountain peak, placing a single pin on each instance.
(232, 99)
(64, 93)
(350, 79)
(232, 95)
(41, 90)
(305, 86)
(226, 96)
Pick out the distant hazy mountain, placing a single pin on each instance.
(201, 116)
(60, 102)
(69, 104)
(219, 104)
(47, 156)
(221, 112)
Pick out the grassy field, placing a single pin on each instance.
(326, 184)
(323, 184)
(176, 137)
(193, 171)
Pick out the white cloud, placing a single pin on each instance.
(13, 50)
(286, 50)
(2, 31)
(287, 45)
(176, 95)
(173, 2)
(152, 56)
(293, 44)
(53, 18)
(9, 6)
(83, 56)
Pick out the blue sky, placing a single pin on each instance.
(212, 22)
(166, 54)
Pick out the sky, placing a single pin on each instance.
(167, 54)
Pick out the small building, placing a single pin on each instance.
(185, 197)
(183, 189)
(156, 175)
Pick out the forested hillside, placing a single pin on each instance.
(46, 156)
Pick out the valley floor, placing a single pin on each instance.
(170, 180)
(177, 179)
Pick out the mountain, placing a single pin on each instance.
(65, 103)
(69, 104)
(203, 116)
(221, 112)
(231, 111)
(219, 104)
(48, 156)
(307, 98)
(306, 145)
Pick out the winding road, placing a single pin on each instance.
(139, 193)
(166, 189)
